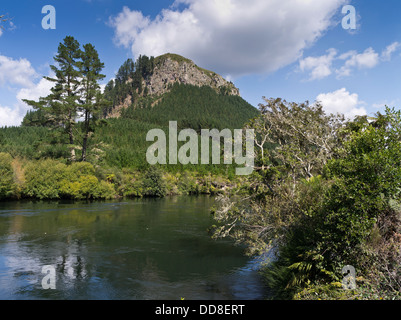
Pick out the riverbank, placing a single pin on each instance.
(52, 179)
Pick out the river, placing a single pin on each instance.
(142, 249)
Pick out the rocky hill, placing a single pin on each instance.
(171, 68)
(151, 78)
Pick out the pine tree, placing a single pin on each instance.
(62, 103)
(91, 97)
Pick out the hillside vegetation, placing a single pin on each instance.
(49, 142)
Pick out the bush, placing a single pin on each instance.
(340, 209)
(153, 183)
(129, 184)
(43, 179)
(50, 179)
(6, 176)
(354, 220)
(104, 190)
(188, 184)
(367, 177)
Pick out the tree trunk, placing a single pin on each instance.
(85, 139)
(73, 157)
(71, 136)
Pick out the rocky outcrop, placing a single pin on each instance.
(170, 69)
(166, 70)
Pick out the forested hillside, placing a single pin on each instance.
(74, 124)
(195, 108)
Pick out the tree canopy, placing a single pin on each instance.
(326, 194)
(76, 90)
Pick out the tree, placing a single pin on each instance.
(109, 95)
(153, 183)
(129, 81)
(7, 184)
(62, 103)
(294, 143)
(91, 97)
(301, 136)
(126, 71)
(345, 211)
(36, 118)
(366, 179)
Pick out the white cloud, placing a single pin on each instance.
(230, 36)
(323, 66)
(380, 106)
(343, 102)
(366, 60)
(387, 53)
(319, 67)
(41, 89)
(16, 72)
(12, 116)
(19, 76)
(9, 116)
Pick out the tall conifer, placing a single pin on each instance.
(91, 97)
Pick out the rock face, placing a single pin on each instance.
(171, 68)
(167, 70)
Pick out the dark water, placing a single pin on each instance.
(139, 249)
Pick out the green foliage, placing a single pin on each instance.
(33, 142)
(188, 184)
(131, 185)
(6, 176)
(195, 108)
(115, 146)
(43, 179)
(60, 106)
(128, 81)
(153, 183)
(37, 118)
(121, 143)
(294, 142)
(366, 177)
(75, 89)
(92, 100)
(323, 197)
(50, 179)
(365, 290)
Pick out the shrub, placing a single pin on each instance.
(50, 179)
(153, 183)
(188, 184)
(105, 190)
(43, 179)
(129, 183)
(6, 176)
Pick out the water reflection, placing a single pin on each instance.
(140, 249)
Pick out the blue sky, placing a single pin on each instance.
(293, 49)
